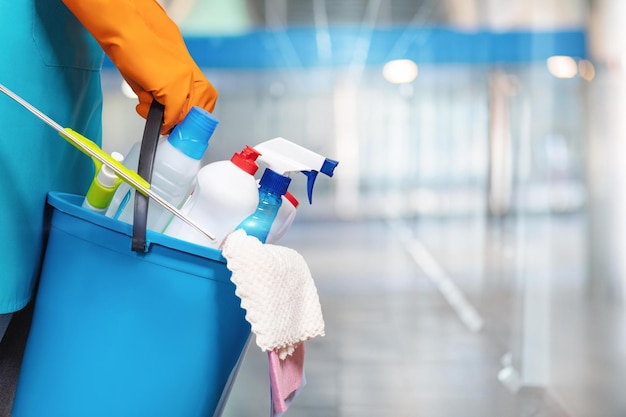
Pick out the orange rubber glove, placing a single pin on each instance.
(148, 49)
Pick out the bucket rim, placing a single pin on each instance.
(71, 204)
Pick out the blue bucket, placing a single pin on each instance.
(121, 333)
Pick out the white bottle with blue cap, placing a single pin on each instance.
(177, 161)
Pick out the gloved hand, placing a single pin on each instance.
(148, 49)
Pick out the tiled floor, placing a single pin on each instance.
(393, 347)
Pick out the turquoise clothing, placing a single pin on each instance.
(50, 60)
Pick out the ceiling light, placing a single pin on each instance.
(562, 66)
(587, 70)
(400, 71)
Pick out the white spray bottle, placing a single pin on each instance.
(284, 218)
(284, 157)
(225, 193)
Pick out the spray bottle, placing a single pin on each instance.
(284, 218)
(225, 192)
(282, 157)
(103, 187)
(177, 161)
(272, 188)
(285, 157)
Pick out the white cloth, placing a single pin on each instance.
(277, 291)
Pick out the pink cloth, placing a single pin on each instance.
(286, 378)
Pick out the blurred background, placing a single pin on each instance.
(468, 250)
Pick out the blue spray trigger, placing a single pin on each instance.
(328, 167)
(310, 182)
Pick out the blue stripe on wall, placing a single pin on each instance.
(298, 47)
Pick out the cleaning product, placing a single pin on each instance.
(272, 187)
(123, 194)
(225, 193)
(103, 187)
(284, 218)
(177, 161)
(92, 150)
(284, 157)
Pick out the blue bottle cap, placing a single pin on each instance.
(192, 135)
(274, 182)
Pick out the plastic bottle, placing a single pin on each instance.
(285, 157)
(220, 203)
(225, 193)
(177, 161)
(272, 187)
(284, 218)
(123, 193)
(102, 188)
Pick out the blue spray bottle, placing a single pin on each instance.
(272, 187)
(283, 157)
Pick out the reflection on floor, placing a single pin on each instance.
(395, 347)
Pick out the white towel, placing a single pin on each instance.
(277, 291)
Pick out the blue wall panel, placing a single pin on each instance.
(297, 47)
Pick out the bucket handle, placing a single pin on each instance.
(147, 152)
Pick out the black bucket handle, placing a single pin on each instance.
(147, 152)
